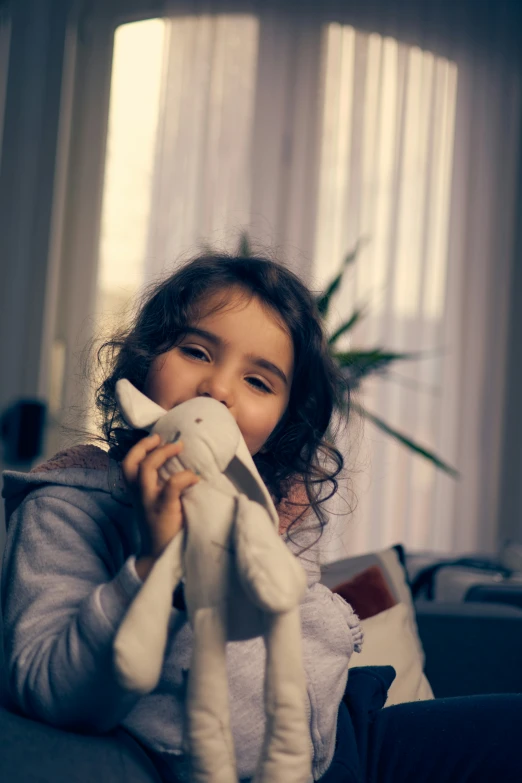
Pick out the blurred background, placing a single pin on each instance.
(135, 133)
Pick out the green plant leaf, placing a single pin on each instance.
(244, 249)
(406, 441)
(324, 299)
(347, 325)
(359, 364)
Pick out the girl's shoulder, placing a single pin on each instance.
(76, 474)
(84, 456)
(301, 530)
(294, 507)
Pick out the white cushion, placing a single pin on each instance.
(390, 640)
(393, 571)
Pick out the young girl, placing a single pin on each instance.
(85, 528)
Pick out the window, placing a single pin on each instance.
(182, 110)
(129, 165)
(181, 140)
(386, 165)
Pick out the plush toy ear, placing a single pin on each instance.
(138, 410)
(245, 477)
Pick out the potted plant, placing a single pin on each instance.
(358, 364)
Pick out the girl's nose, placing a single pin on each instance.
(218, 387)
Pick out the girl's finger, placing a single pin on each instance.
(156, 458)
(148, 478)
(137, 454)
(178, 483)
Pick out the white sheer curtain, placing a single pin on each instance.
(311, 128)
(237, 138)
(385, 173)
(203, 154)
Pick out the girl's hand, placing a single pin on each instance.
(156, 502)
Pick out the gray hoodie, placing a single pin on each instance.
(68, 578)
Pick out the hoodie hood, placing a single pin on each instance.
(84, 467)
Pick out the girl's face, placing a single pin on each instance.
(241, 355)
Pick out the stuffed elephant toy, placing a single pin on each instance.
(240, 582)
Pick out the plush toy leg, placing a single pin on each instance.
(287, 752)
(271, 575)
(208, 716)
(140, 643)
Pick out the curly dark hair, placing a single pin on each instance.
(298, 453)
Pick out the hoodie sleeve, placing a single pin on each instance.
(61, 606)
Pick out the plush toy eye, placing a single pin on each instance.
(198, 421)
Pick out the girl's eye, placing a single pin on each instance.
(258, 384)
(194, 353)
(201, 356)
